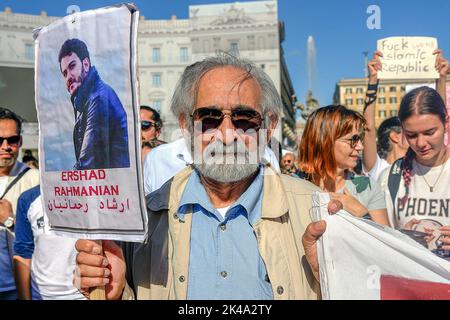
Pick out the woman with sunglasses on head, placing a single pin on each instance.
(417, 187)
(329, 150)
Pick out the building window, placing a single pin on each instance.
(234, 49)
(206, 47)
(261, 43)
(382, 90)
(402, 88)
(392, 89)
(216, 43)
(382, 114)
(156, 55)
(359, 102)
(382, 100)
(263, 66)
(157, 105)
(359, 90)
(348, 102)
(348, 90)
(29, 51)
(156, 80)
(392, 100)
(251, 42)
(394, 113)
(184, 54)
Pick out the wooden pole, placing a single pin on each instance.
(98, 293)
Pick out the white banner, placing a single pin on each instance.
(360, 259)
(408, 58)
(86, 98)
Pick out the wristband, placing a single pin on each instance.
(373, 87)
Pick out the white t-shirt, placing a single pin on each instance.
(422, 203)
(223, 211)
(53, 257)
(377, 169)
(3, 184)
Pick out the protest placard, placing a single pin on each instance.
(86, 98)
(408, 58)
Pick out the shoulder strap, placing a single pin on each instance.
(395, 175)
(16, 179)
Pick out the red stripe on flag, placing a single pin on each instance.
(396, 288)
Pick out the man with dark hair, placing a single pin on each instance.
(151, 123)
(15, 178)
(100, 134)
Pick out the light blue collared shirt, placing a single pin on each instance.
(224, 260)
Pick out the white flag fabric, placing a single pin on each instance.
(360, 259)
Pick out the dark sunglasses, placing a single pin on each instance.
(145, 125)
(12, 141)
(353, 141)
(241, 117)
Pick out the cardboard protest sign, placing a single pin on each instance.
(408, 58)
(89, 142)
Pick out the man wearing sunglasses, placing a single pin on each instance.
(151, 123)
(100, 133)
(15, 178)
(288, 165)
(227, 226)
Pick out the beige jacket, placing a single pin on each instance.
(158, 269)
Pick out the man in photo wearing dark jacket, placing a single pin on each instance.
(100, 134)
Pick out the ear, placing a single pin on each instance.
(273, 121)
(395, 137)
(182, 121)
(86, 65)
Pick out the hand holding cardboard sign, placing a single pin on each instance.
(441, 64)
(374, 66)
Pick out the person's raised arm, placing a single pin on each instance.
(442, 67)
(370, 138)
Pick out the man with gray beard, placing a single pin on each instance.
(227, 226)
(15, 178)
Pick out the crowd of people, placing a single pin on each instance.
(220, 228)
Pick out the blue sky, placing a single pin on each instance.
(338, 27)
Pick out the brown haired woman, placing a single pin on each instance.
(329, 150)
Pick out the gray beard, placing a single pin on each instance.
(226, 164)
